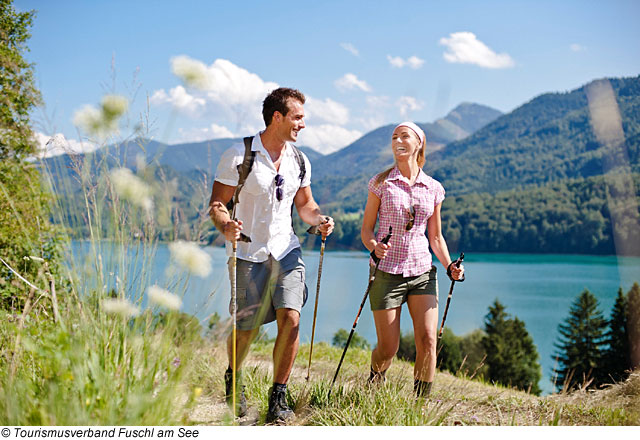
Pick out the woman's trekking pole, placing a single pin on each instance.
(315, 231)
(385, 240)
(453, 282)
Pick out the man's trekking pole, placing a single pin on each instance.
(234, 314)
(234, 309)
(385, 240)
(446, 308)
(315, 231)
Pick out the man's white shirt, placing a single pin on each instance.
(265, 220)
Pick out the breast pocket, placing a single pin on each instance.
(259, 182)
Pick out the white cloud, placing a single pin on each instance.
(326, 110)
(413, 62)
(465, 48)
(395, 61)
(180, 99)
(407, 104)
(214, 131)
(221, 91)
(350, 48)
(349, 81)
(327, 138)
(575, 47)
(49, 146)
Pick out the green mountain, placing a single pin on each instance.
(548, 139)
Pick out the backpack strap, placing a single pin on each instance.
(243, 171)
(301, 164)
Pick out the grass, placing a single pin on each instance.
(455, 400)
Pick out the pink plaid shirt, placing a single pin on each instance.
(409, 252)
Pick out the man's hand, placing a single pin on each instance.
(326, 226)
(232, 230)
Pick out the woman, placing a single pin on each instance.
(409, 201)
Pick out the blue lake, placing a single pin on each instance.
(538, 289)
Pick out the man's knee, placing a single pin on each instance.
(288, 319)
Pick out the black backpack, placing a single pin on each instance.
(247, 163)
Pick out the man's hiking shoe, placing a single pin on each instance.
(279, 411)
(241, 400)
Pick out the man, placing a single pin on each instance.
(270, 272)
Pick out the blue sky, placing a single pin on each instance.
(362, 64)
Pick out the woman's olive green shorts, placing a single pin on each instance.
(389, 291)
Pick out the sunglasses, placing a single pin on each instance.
(412, 219)
(279, 184)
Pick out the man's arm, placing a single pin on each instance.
(221, 194)
(309, 211)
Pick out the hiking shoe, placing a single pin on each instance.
(421, 389)
(279, 411)
(241, 400)
(377, 377)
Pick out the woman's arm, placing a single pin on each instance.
(367, 234)
(438, 243)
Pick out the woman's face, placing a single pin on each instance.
(405, 144)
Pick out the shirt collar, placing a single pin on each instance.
(395, 174)
(256, 145)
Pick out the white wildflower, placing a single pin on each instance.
(89, 119)
(191, 257)
(103, 121)
(131, 187)
(120, 307)
(192, 72)
(164, 298)
(114, 106)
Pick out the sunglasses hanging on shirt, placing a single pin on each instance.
(279, 186)
(412, 218)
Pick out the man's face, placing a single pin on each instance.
(293, 122)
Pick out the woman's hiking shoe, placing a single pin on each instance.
(279, 411)
(422, 389)
(241, 400)
(377, 377)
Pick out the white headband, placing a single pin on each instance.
(417, 130)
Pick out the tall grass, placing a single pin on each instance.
(108, 355)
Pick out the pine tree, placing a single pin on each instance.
(580, 344)
(512, 357)
(616, 357)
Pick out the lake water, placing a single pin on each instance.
(538, 289)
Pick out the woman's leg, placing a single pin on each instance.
(424, 313)
(388, 331)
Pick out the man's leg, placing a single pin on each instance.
(286, 346)
(244, 338)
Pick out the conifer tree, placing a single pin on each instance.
(616, 357)
(580, 345)
(512, 357)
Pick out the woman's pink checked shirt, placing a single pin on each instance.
(409, 252)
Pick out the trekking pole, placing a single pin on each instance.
(234, 314)
(315, 231)
(446, 308)
(385, 240)
(234, 308)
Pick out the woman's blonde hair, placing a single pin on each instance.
(420, 159)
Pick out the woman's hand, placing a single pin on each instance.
(381, 249)
(454, 272)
